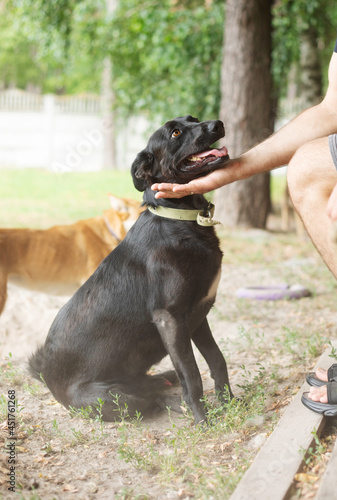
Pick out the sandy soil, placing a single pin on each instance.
(62, 457)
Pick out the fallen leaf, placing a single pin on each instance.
(52, 402)
(305, 478)
(70, 487)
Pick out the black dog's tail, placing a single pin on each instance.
(36, 363)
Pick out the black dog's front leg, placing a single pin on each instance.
(203, 339)
(177, 342)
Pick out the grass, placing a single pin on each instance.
(277, 187)
(203, 462)
(38, 198)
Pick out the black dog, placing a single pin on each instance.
(149, 297)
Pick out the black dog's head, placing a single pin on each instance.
(179, 152)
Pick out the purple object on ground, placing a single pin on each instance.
(276, 292)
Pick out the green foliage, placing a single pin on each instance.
(167, 59)
(41, 45)
(166, 55)
(290, 19)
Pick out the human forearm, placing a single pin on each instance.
(279, 148)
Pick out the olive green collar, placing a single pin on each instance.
(202, 217)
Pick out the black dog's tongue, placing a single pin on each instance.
(212, 152)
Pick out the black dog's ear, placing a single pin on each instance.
(141, 170)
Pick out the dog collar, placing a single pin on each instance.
(202, 217)
(111, 231)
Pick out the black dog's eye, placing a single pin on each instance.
(176, 132)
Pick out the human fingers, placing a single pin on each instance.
(165, 190)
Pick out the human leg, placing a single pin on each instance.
(311, 178)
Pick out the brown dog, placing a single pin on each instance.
(60, 259)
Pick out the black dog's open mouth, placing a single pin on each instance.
(206, 160)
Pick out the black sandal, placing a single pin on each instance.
(328, 409)
(316, 382)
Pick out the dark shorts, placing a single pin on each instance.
(333, 148)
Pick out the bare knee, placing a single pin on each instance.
(299, 176)
(311, 174)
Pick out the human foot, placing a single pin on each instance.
(322, 399)
(321, 376)
(318, 393)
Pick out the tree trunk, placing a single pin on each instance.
(310, 68)
(246, 107)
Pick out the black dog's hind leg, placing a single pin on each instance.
(203, 339)
(176, 339)
(120, 399)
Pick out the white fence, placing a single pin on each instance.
(69, 133)
(62, 133)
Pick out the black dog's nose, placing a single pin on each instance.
(215, 126)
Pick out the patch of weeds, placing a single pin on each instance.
(315, 452)
(92, 413)
(131, 440)
(77, 435)
(3, 408)
(226, 348)
(289, 341)
(129, 494)
(245, 335)
(313, 466)
(200, 461)
(315, 344)
(300, 345)
(35, 389)
(223, 412)
(333, 353)
(83, 413)
(204, 461)
(33, 496)
(10, 374)
(255, 388)
(252, 338)
(58, 432)
(72, 439)
(47, 448)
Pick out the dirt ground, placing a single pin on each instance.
(269, 346)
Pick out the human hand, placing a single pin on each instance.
(202, 185)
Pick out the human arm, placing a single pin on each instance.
(277, 150)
